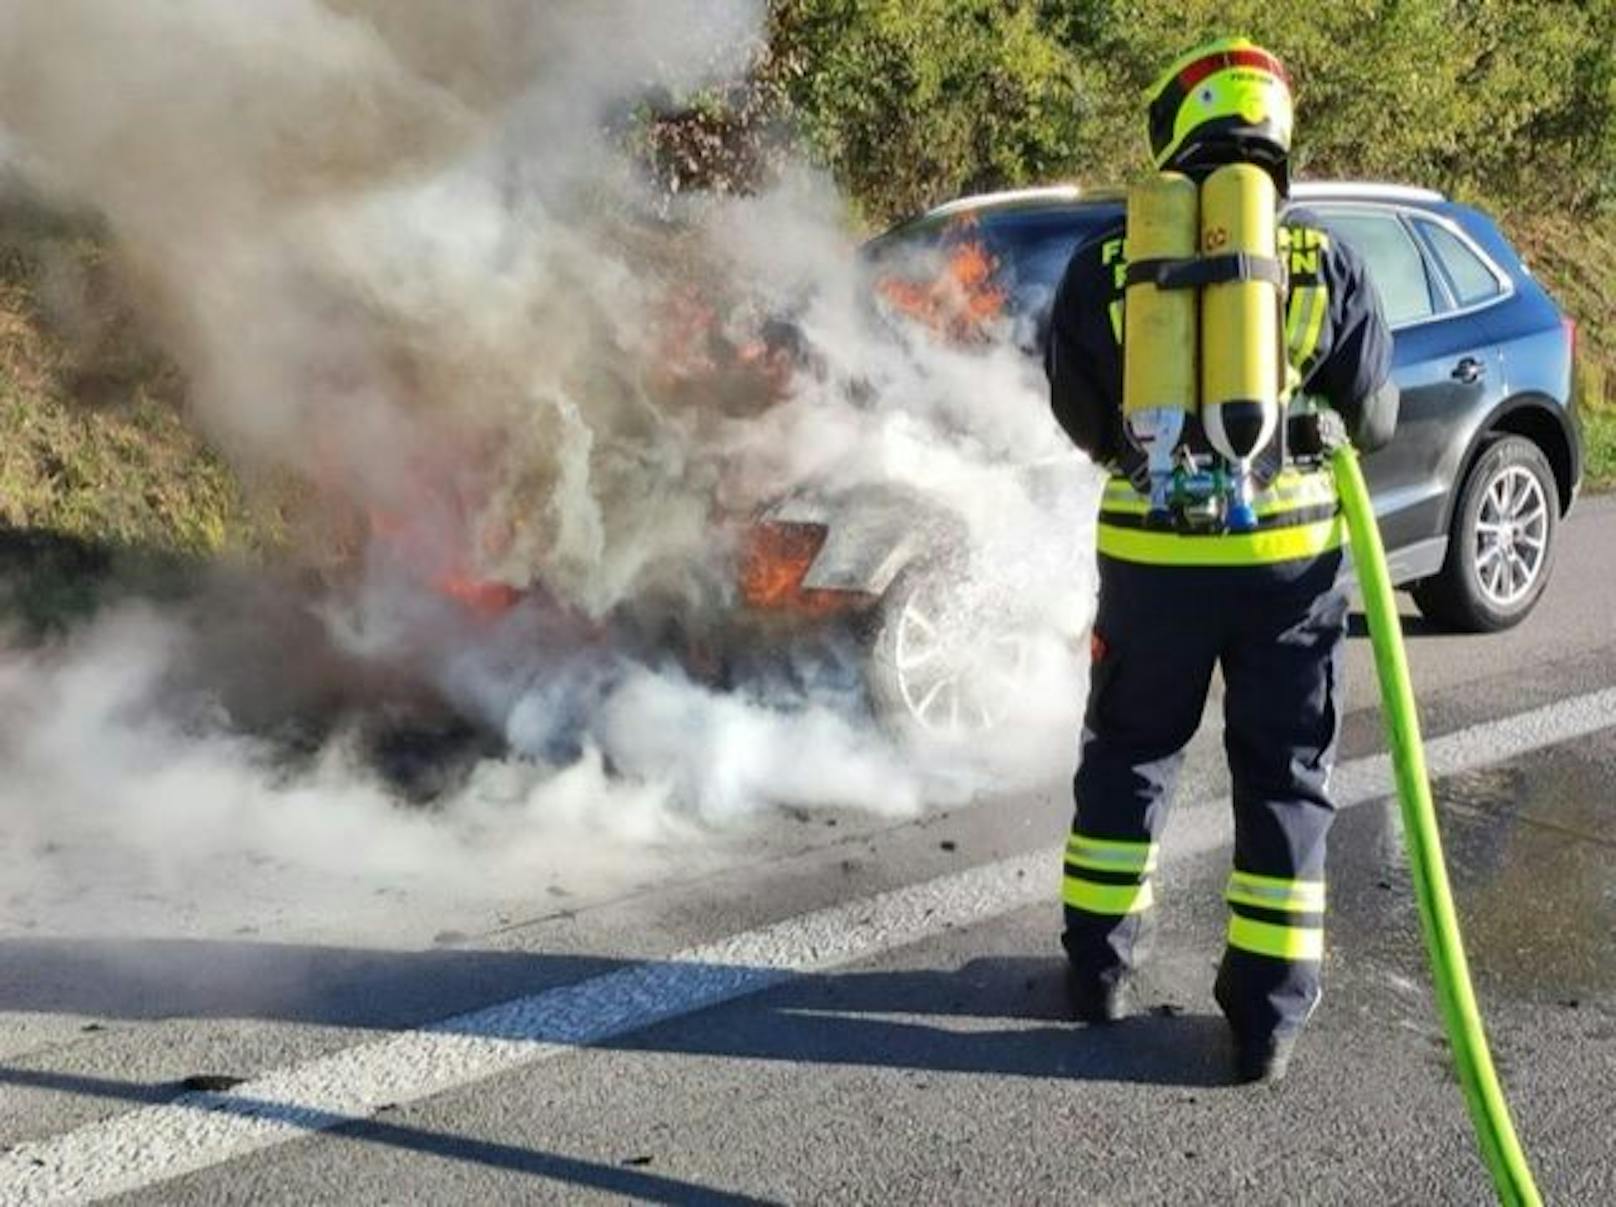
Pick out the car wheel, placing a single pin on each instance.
(1501, 544)
(933, 673)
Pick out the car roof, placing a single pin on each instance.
(1067, 196)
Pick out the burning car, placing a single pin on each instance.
(869, 590)
(946, 654)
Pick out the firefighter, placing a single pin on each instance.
(1178, 598)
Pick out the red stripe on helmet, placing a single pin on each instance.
(1223, 59)
(1261, 60)
(1199, 70)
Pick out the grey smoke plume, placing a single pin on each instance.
(392, 249)
(407, 269)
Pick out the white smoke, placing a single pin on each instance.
(107, 757)
(406, 267)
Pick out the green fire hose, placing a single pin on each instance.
(1495, 1133)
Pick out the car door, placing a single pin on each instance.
(1445, 366)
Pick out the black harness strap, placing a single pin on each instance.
(1196, 271)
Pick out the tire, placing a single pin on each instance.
(934, 674)
(1501, 543)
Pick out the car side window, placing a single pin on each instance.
(1394, 260)
(1473, 282)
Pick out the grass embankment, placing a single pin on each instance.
(1576, 260)
(103, 486)
(92, 439)
(1599, 433)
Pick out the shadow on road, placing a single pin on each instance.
(1413, 626)
(990, 1016)
(617, 1179)
(996, 1017)
(276, 982)
(953, 1022)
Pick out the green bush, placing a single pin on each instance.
(909, 100)
(1508, 101)
(93, 441)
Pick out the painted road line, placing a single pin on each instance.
(199, 1130)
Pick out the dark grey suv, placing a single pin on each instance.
(1486, 460)
(1487, 455)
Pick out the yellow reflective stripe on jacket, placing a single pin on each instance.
(1273, 892)
(1309, 302)
(1121, 496)
(1113, 900)
(1111, 855)
(1290, 491)
(1259, 548)
(1305, 322)
(1281, 942)
(1299, 247)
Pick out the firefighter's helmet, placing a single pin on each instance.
(1227, 100)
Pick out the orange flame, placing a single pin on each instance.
(711, 359)
(488, 600)
(962, 300)
(443, 569)
(776, 561)
(777, 558)
(685, 325)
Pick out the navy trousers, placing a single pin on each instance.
(1277, 632)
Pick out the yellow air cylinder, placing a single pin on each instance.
(1159, 325)
(1241, 352)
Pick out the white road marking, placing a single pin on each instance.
(199, 1130)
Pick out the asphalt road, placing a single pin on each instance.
(870, 1011)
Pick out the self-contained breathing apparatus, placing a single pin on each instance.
(1204, 338)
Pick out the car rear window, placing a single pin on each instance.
(1029, 249)
(1394, 259)
(1039, 245)
(1473, 282)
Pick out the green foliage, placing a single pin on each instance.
(92, 440)
(1599, 447)
(134, 475)
(908, 99)
(1510, 102)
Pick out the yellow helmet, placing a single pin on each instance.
(1227, 99)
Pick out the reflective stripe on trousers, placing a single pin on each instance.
(1276, 916)
(1107, 876)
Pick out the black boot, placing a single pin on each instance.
(1263, 1061)
(1098, 1000)
(1258, 1058)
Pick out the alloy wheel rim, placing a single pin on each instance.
(952, 683)
(1511, 536)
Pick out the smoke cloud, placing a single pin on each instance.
(426, 304)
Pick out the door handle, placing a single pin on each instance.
(1469, 371)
